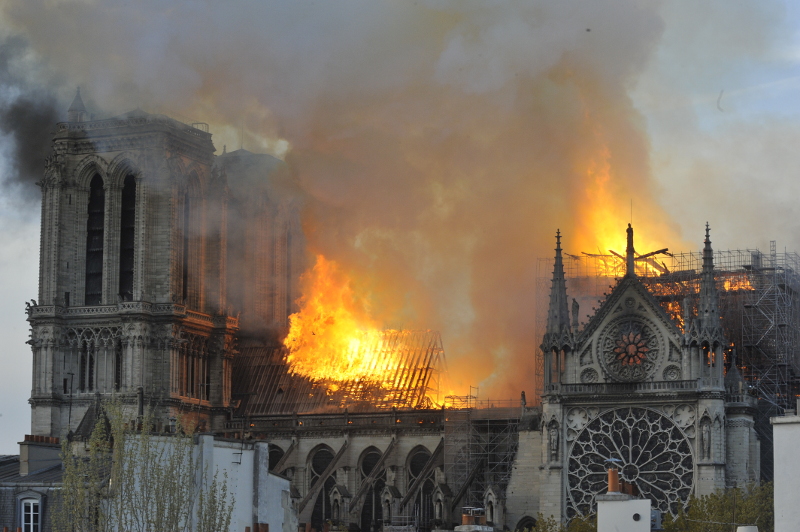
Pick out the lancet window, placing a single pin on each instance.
(322, 511)
(193, 364)
(93, 294)
(127, 233)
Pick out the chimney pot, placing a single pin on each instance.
(613, 480)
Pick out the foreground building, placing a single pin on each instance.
(167, 276)
(787, 434)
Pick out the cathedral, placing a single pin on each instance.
(167, 276)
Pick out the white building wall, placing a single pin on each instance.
(259, 496)
(785, 435)
(619, 513)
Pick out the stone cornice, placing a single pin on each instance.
(136, 134)
(52, 314)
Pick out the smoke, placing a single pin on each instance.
(28, 113)
(439, 144)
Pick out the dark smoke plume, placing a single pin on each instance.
(28, 114)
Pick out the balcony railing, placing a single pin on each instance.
(634, 387)
(130, 307)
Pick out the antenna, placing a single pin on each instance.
(241, 136)
(631, 211)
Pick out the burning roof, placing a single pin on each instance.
(405, 375)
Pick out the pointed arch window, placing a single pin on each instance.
(322, 507)
(372, 514)
(127, 233)
(93, 294)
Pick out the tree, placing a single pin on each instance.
(718, 511)
(127, 478)
(550, 524)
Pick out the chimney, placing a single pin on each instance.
(38, 452)
(613, 480)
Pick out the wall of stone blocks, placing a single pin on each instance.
(522, 493)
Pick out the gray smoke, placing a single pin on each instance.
(28, 113)
(441, 143)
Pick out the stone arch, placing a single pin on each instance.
(371, 513)
(442, 498)
(494, 508)
(176, 167)
(363, 456)
(200, 172)
(120, 167)
(317, 460)
(275, 454)
(422, 505)
(526, 523)
(86, 169)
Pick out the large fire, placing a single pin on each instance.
(605, 213)
(333, 336)
(334, 341)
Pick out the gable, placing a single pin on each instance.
(630, 338)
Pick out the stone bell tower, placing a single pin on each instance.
(132, 290)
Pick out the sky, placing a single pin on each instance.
(439, 144)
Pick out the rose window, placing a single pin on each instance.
(629, 349)
(654, 454)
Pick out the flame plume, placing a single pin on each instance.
(333, 341)
(332, 336)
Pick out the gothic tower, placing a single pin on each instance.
(132, 291)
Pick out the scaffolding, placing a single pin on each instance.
(480, 445)
(759, 296)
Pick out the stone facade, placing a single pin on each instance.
(636, 388)
(133, 272)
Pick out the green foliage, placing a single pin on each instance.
(136, 481)
(549, 524)
(752, 505)
(81, 506)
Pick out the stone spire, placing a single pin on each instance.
(734, 383)
(708, 303)
(77, 111)
(558, 318)
(630, 269)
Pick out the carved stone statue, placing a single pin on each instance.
(705, 440)
(552, 439)
(522, 400)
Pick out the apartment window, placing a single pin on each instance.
(94, 242)
(31, 515)
(126, 238)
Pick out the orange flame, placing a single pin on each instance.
(604, 215)
(737, 283)
(334, 341)
(333, 337)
